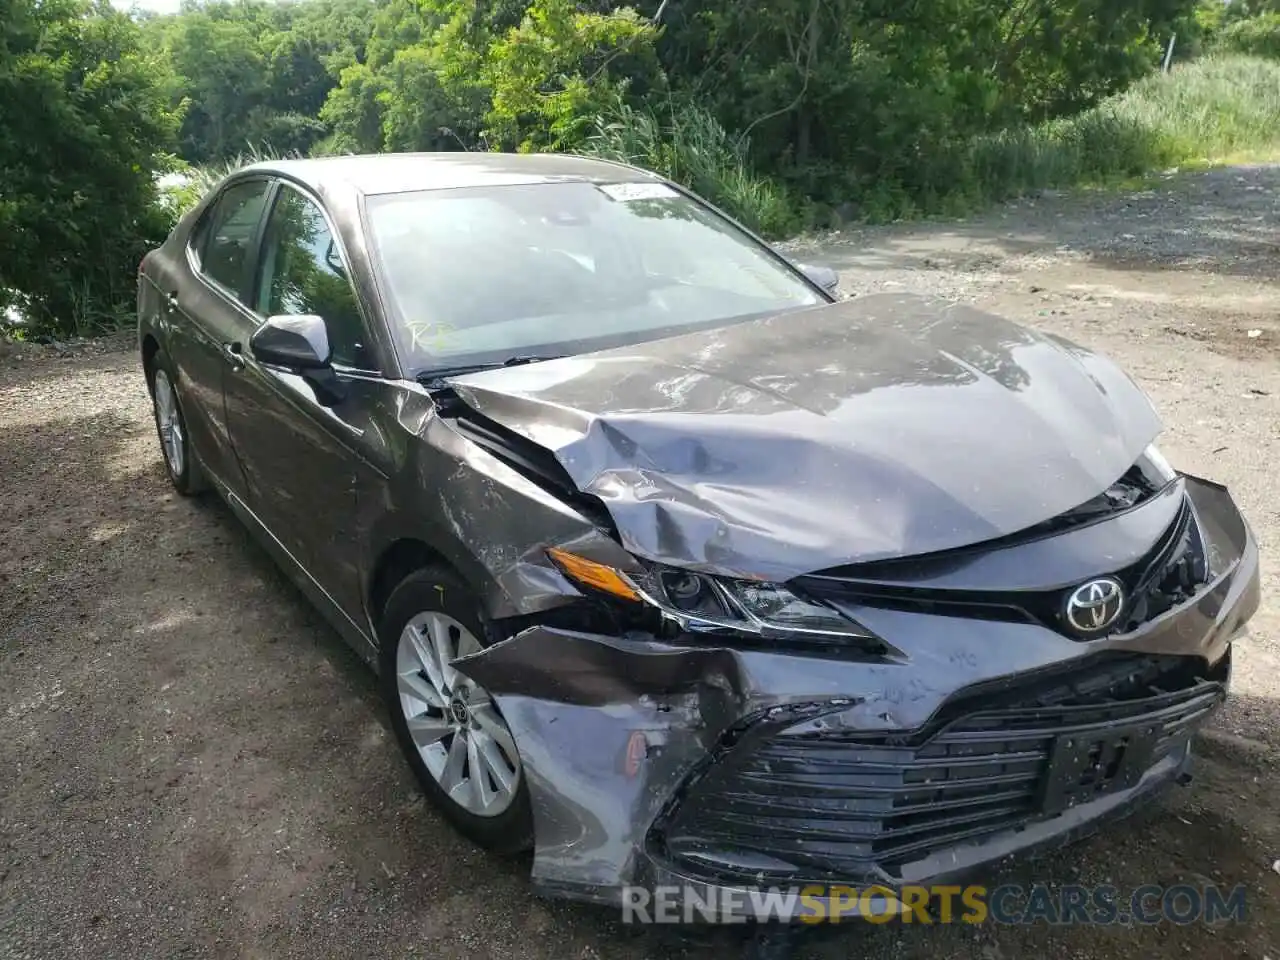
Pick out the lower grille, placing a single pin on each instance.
(847, 805)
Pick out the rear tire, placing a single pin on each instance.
(171, 429)
(449, 729)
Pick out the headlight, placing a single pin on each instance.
(699, 602)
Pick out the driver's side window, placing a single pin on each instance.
(302, 272)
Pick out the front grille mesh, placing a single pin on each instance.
(848, 805)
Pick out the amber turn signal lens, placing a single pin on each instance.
(588, 573)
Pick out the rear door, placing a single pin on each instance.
(210, 314)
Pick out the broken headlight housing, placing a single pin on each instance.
(702, 603)
(1154, 467)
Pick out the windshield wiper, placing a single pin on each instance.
(439, 374)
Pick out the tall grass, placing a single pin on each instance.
(1215, 108)
(688, 145)
(190, 183)
(1220, 108)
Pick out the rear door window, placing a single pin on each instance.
(227, 237)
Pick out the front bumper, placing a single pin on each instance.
(652, 763)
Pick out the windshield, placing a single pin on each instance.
(477, 276)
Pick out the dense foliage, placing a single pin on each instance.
(1258, 36)
(835, 97)
(256, 74)
(85, 126)
(787, 113)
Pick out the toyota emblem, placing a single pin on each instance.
(1094, 607)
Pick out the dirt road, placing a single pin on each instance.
(192, 765)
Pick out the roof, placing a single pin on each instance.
(400, 172)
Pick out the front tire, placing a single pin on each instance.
(449, 728)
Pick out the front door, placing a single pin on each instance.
(303, 462)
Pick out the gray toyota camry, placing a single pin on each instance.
(674, 566)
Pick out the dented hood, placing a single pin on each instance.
(878, 427)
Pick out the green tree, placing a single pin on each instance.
(422, 84)
(462, 74)
(86, 122)
(255, 75)
(561, 67)
(224, 80)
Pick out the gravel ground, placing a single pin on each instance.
(194, 765)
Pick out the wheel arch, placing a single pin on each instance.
(150, 350)
(394, 562)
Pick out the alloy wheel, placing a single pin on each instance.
(169, 421)
(464, 743)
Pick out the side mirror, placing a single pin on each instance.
(300, 344)
(824, 277)
(295, 342)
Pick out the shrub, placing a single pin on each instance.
(1258, 36)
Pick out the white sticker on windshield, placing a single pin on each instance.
(626, 192)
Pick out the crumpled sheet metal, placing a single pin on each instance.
(576, 702)
(508, 521)
(878, 427)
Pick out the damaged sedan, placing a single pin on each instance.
(675, 567)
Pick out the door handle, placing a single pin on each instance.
(234, 353)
